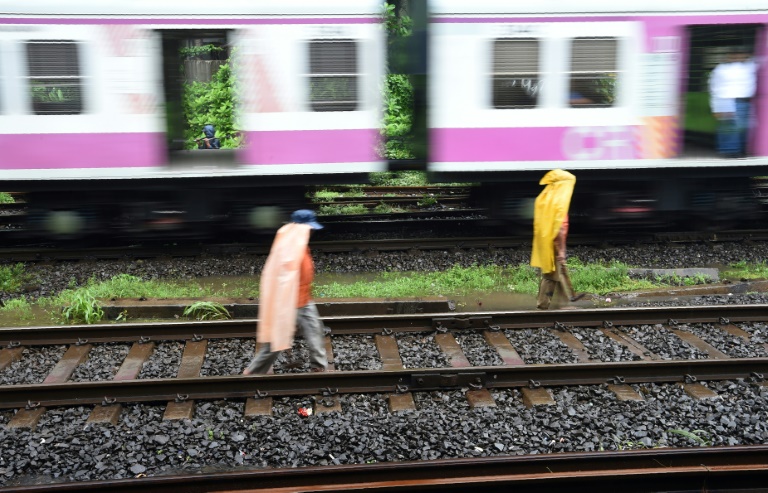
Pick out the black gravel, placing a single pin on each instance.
(102, 364)
(35, 364)
(355, 353)
(733, 346)
(164, 361)
(601, 347)
(227, 357)
(758, 331)
(64, 447)
(662, 342)
(419, 350)
(540, 346)
(477, 349)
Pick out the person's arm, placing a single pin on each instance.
(560, 245)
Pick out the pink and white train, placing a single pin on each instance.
(616, 92)
(101, 153)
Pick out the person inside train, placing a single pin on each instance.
(209, 141)
(550, 230)
(732, 85)
(284, 299)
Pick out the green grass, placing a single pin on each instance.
(399, 179)
(326, 195)
(745, 270)
(6, 198)
(20, 307)
(700, 437)
(207, 310)
(83, 307)
(455, 281)
(383, 208)
(342, 210)
(427, 201)
(12, 278)
(461, 281)
(128, 286)
(82, 303)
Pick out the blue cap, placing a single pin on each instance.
(306, 216)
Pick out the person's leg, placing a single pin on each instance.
(309, 321)
(727, 135)
(262, 360)
(547, 288)
(742, 118)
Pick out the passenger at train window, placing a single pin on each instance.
(284, 299)
(209, 141)
(732, 85)
(578, 99)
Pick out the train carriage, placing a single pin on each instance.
(91, 97)
(616, 92)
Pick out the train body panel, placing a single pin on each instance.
(112, 57)
(617, 93)
(91, 98)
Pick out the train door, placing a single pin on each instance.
(197, 90)
(709, 46)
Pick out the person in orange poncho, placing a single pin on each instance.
(284, 302)
(550, 229)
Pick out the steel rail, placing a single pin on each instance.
(338, 246)
(382, 381)
(373, 324)
(739, 468)
(374, 200)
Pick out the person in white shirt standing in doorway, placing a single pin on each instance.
(732, 85)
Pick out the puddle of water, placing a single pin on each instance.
(487, 302)
(232, 286)
(34, 316)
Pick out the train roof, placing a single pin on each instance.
(189, 7)
(569, 7)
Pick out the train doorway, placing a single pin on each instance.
(199, 100)
(709, 46)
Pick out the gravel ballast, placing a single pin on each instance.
(65, 447)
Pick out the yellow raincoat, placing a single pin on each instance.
(551, 209)
(279, 286)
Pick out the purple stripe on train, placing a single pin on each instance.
(144, 150)
(311, 146)
(142, 21)
(63, 151)
(457, 145)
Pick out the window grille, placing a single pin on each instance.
(55, 82)
(594, 74)
(516, 82)
(333, 75)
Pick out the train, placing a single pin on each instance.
(615, 92)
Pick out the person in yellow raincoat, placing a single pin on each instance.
(284, 301)
(550, 229)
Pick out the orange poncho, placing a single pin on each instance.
(550, 210)
(279, 287)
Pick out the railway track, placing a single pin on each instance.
(181, 249)
(719, 468)
(648, 365)
(706, 469)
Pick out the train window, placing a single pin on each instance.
(593, 72)
(333, 75)
(55, 82)
(516, 81)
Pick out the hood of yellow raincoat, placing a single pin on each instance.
(550, 210)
